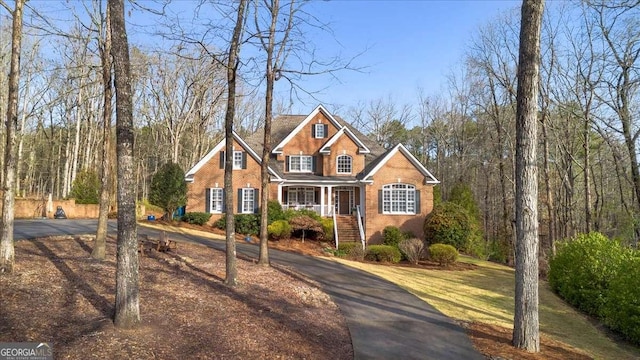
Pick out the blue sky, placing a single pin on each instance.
(409, 44)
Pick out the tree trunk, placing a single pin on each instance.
(7, 252)
(231, 278)
(551, 212)
(105, 174)
(526, 327)
(127, 307)
(266, 151)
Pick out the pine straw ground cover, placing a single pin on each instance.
(60, 295)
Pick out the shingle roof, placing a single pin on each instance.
(283, 125)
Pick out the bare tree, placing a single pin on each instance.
(231, 278)
(105, 172)
(525, 323)
(127, 307)
(7, 252)
(276, 54)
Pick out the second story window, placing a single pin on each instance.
(344, 164)
(237, 160)
(301, 163)
(320, 131)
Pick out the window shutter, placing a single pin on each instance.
(221, 159)
(256, 201)
(417, 199)
(313, 164)
(379, 201)
(239, 201)
(207, 200)
(313, 131)
(285, 196)
(244, 159)
(326, 130)
(224, 201)
(286, 163)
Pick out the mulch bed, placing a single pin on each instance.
(59, 294)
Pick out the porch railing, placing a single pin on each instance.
(360, 228)
(335, 228)
(328, 210)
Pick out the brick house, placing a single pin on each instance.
(320, 162)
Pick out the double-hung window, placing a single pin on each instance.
(248, 200)
(237, 160)
(344, 164)
(399, 199)
(216, 200)
(301, 196)
(301, 163)
(319, 131)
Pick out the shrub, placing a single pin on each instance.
(168, 188)
(274, 211)
(450, 224)
(391, 236)
(383, 253)
(327, 226)
(305, 224)
(412, 249)
(220, 223)
(290, 214)
(197, 218)
(582, 268)
(86, 188)
(247, 224)
(443, 254)
(279, 229)
(351, 250)
(622, 308)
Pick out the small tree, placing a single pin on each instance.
(86, 188)
(168, 188)
(305, 223)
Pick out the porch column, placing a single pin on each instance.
(362, 202)
(322, 200)
(330, 200)
(279, 193)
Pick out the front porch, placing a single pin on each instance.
(325, 200)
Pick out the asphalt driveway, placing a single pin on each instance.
(385, 321)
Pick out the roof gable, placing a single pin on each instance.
(326, 148)
(319, 109)
(205, 159)
(400, 148)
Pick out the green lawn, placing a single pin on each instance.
(486, 295)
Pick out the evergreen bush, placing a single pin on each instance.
(196, 218)
(583, 268)
(86, 188)
(279, 229)
(383, 253)
(391, 235)
(443, 254)
(450, 224)
(622, 306)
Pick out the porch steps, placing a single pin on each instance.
(347, 228)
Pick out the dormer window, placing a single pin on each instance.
(319, 131)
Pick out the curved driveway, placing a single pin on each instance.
(385, 321)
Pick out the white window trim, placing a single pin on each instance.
(338, 164)
(308, 196)
(245, 192)
(212, 200)
(392, 194)
(300, 159)
(236, 165)
(316, 131)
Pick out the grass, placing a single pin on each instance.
(486, 295)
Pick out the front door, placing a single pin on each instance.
(344, 205)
